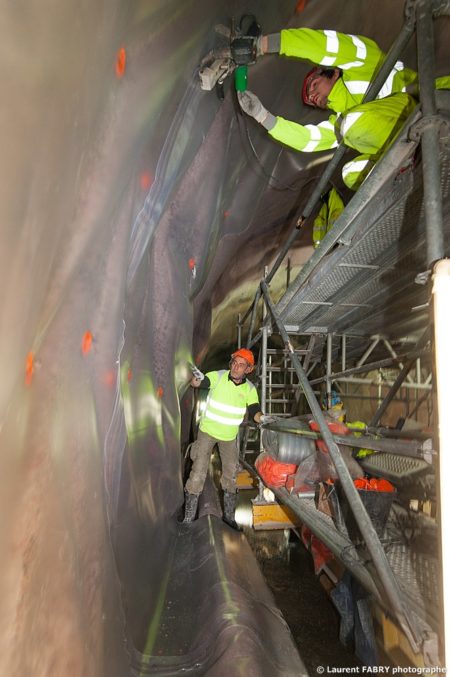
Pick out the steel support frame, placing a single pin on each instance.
(441, 286)
(386, 67)
(369, 351)
(392, 352)
(371, 366)
(328, 377)
(392, 392)
(346, 553)
(422, 10)
(411, 448)
(265, 332)
(406, 368)
(374, 88)
(430, 141)
(239, 331)
(429, 134)
(254, 310)
(343, 230)
(363, 520)
(384, 384)
(344, 549)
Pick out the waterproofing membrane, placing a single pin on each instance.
(115, 165)
(128, 197)
(212, 574)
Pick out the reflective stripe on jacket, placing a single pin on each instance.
(358, 58)
(226, 405)
(358, 428)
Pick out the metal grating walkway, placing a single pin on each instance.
(395, 467)
(415, 566)
(418, 574)
(366, 284)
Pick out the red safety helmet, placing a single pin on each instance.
(313, 73)
(246, 355)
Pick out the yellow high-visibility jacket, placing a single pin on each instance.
(358, 58)
(226, 405)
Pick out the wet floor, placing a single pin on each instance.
(308, 611)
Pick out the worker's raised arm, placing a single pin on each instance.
(329, 48)
(324, 47)
(269, 44)
(307, 138)
(251, 105)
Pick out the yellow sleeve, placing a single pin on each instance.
(307, 138)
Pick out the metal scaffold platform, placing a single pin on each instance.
(360, 305)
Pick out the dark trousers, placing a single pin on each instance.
(201, 454)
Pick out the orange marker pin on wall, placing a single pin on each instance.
(86, 342)
(121, 62)
(146, 180)
(29, 368)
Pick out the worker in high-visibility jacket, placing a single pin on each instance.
(332, 207)
(358, 428)
(230, 396)
(347, 65)
(335, 410)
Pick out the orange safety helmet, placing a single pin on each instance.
(246, 355)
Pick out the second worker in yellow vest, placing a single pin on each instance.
(230, 396)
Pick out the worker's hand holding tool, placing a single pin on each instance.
(246, 49)
(251, 105)
(196, 373)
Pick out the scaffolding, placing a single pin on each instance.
(363, 299)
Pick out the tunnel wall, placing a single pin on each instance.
(103, 249)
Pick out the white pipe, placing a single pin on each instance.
(373, 345)
(441, 294)
(264, 375)
(384, 384)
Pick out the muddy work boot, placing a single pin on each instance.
(190, 507)
(229, 507)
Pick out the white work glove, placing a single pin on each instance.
(251, 105)
(265, 418)
(258, 46)
(196, 373)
